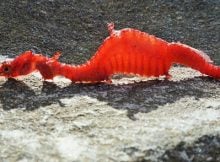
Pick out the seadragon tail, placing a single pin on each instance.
(196, 59)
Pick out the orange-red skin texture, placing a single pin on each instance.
(131, 52)
(127, 51)
(21, 65)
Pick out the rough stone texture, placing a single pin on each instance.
(133, 119)
(206, 148)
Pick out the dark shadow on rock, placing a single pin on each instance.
(206, 148)
(136, 97)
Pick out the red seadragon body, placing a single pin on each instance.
(127, 51)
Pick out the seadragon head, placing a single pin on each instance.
(21, 65)
(28, 62)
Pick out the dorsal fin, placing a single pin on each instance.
(111, 27)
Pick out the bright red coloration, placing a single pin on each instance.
(127, 51)
(26, 63)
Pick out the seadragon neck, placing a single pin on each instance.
(86, 72)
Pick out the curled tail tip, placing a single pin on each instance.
(111, 27)
(194, 58)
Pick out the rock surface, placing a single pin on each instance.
(133, 119)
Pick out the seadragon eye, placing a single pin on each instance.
(6, 69)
